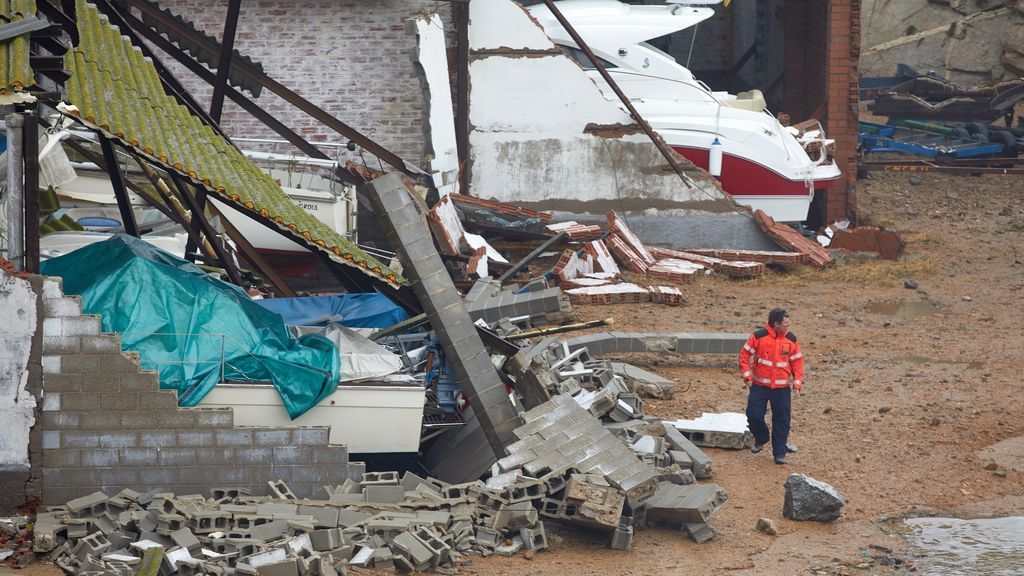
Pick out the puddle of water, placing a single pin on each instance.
(904, 309)
(955, 547)
(929, 360)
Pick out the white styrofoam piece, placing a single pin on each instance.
(713, 422)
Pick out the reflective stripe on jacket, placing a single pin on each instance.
(769, 359)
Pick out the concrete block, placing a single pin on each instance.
(676, 505)
(701, 463)
(534, 538)
(92, 545)
(438, 548)
(92, 505)
(622, 538)
(280, 489)
(699, 531)
(380, 479)
(186, 539)
(408, 546)
(384, 493)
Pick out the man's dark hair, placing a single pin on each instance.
(776, 316)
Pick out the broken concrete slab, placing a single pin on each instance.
(676, 505)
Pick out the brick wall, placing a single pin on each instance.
(822, 53)
(106, 425)
(350, 58)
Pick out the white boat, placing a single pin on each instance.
(330, 202)
(764, 165)
(369, 417)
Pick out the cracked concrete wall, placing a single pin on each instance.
(17, 404)
(532, 115)
(967, 41)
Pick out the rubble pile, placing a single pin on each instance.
(15, 541)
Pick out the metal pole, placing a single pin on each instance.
(658, 142)
(227, 44)
(15, 191)
(30, 220)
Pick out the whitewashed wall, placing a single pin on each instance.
(18, 307)
(530, 107)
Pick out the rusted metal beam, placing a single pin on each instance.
(227, 45)
(30, 139)
(938, 169)
(97, 159)
(284, 92)
(529, 257)
(281, 288)
(460, 13)
(124, 203)
(658, 142)
(199, 217)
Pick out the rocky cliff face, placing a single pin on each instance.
(967, 41)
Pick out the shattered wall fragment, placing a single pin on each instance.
(530, 108)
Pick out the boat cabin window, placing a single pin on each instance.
(581, 58)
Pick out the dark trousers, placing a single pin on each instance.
(757, 403)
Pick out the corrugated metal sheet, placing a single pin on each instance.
(117, 89)
(15, 72)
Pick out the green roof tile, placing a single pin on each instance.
(15, 71)
(117, 90)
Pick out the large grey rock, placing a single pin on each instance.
(810, 499)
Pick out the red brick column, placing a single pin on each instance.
(842, 109)
(822, 54)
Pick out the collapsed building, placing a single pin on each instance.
(557, 432)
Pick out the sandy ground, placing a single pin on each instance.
(900, 402)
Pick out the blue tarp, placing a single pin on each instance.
(351, 310)
(192, 328)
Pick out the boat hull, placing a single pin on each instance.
(760, 187)
(369, 419)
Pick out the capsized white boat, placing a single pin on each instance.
(330, 202)
(764, 165)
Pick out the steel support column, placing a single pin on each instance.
(227, 45)
(124, 203)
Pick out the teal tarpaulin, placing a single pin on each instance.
(195, 330)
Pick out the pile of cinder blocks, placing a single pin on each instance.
(384, 522)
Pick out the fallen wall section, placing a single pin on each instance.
(543, 134)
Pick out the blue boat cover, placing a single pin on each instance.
(194, 329)
(351, 310)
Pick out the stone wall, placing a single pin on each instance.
(107, 425)
(969, 42)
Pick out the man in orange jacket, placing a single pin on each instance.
(772, 364)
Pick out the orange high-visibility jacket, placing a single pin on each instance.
(769, 359)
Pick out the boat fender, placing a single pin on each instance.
(715, 158)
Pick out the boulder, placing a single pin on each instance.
(810, 499)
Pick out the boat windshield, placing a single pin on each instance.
(583, 60)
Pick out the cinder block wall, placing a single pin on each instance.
(349, 57)
(106, 425)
